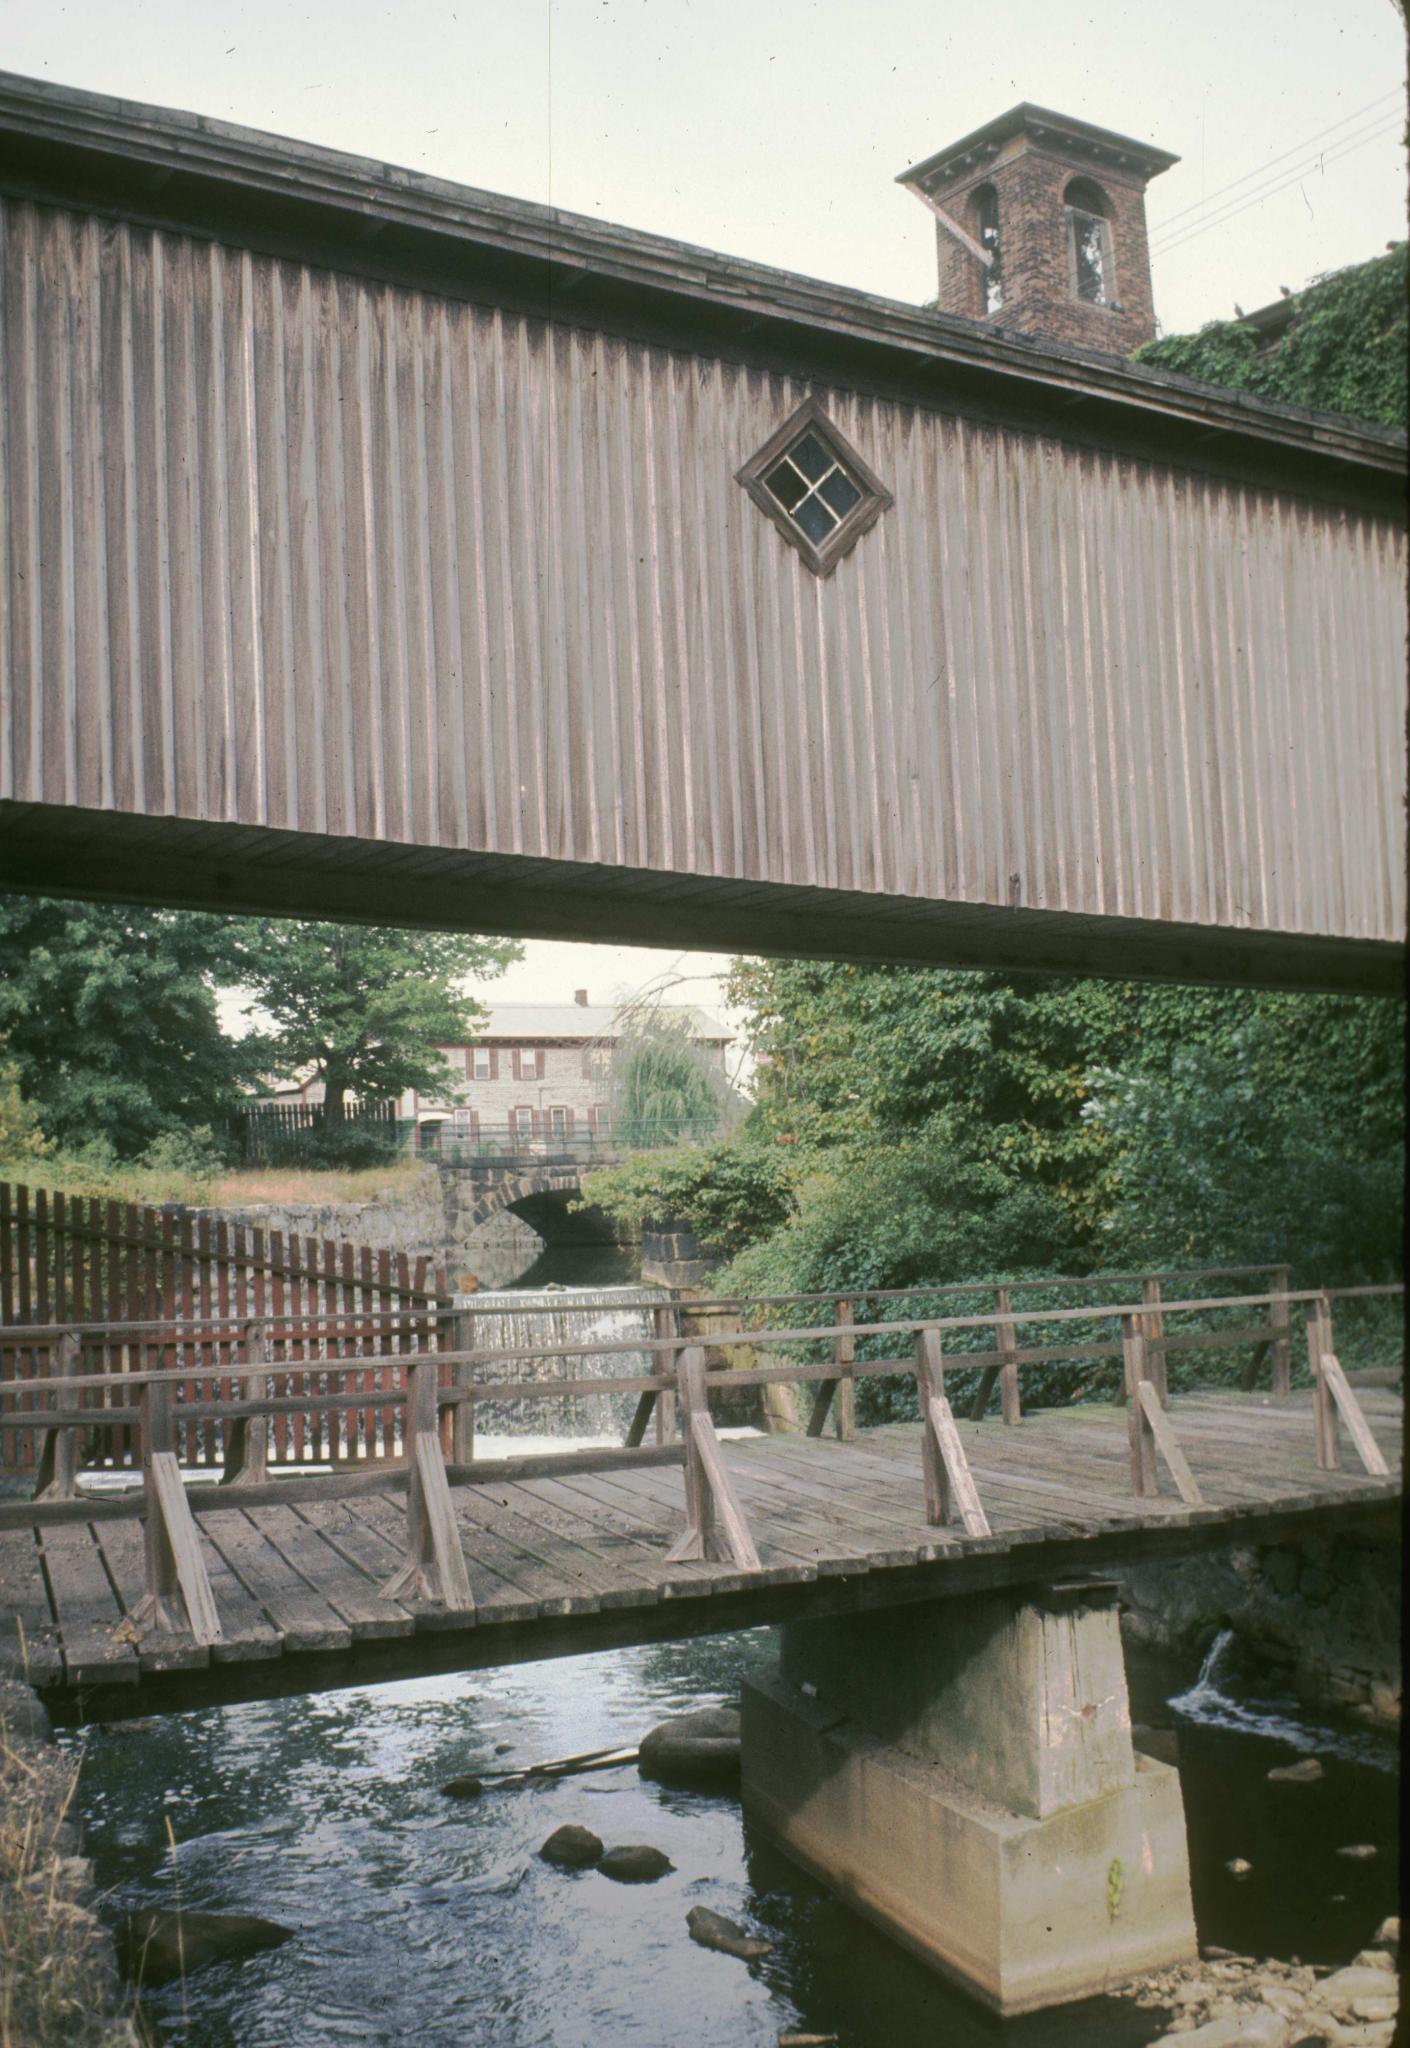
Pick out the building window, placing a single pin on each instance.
(985, 208)
(481, 1065)
(815, 487)
(1090, 266)
(521, 1121)
(560, 1122)
(528, 1063)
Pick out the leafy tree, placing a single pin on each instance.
(361, 1007)
(20, 1134)
(661, 1085)
(1214, 1163)
(731, 1193)
(108, 1018)
(944, 1128)
(1345, 351)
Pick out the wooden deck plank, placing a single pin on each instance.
(88, 1612)
(29, 1635)
(551, 1594)
(376, 1541)
(523, 1522)
(665, 1485)
(247, 1634)
(302, 1617)
(347, 1589)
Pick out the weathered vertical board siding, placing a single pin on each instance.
(292, 549)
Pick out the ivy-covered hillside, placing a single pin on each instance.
(1346, 350)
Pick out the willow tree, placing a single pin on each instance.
(662, 1085)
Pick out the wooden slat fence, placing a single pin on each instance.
(285, 1133)
(78, 1260)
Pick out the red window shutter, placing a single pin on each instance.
(474, 1123)
(536, 1122)
(494, 1064)
(568, 1123)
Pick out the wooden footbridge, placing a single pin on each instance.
(264, 1583)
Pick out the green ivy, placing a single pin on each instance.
(1344, 353)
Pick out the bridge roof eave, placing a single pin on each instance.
(301, 200)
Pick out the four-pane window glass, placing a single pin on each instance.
(813, 487)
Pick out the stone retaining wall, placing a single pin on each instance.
(1325, 1606)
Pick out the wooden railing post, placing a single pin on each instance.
(158, 1434)
(668, 1324)
(1142, 1442)
(1153, 1329)
(842, 1387)
(1007, 1333)
(944, 1466)
(699, 1539)
(247, 1438)
(1281, 1316)
(462, 1338)
(662, 1403)
(1324, 1416)
(930, 1386)
(175, 1569)
(434, 1566)
(715, 1527)
(844, 1352)
(60, 1451)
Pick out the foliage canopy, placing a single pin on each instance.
(108, 1017)
(1346, 351)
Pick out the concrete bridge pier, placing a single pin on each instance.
(962, 1773)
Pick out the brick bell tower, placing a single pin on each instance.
(1041, 227)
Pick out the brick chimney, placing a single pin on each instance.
(580, 998)
(1058, 208)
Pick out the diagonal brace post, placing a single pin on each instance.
(434, 1567)
(716, 1528)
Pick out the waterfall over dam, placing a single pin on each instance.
(511, 1319)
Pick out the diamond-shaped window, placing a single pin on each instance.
(815, 487)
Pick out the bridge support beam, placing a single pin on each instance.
(962, 1774)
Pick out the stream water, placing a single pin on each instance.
(423, 1920)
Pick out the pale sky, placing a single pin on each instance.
(773, 129)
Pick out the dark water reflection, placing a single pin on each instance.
(420, 1920)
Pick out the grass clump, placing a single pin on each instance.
(58, 1981)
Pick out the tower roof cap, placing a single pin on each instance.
(1079, 139)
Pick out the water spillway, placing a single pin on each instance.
(522, 1320)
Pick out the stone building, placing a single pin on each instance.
(538, 1074)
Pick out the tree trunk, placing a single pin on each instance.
(335, 1090)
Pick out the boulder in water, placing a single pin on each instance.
(693, 1749)
(1358, 1852)
(572, 1847)
(1305, 1772)
(635, 1863)
(1238, 1866)
(712, 1930)
(463, 1788)
(156, 1945)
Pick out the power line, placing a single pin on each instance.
(1378, 125)
(1298, 149)
(1321, 162)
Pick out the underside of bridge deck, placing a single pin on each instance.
(571, 1555)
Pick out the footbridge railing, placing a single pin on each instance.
(429, 1389)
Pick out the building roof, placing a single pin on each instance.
(520, 1021)
(1101, 145)
(153, 165)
